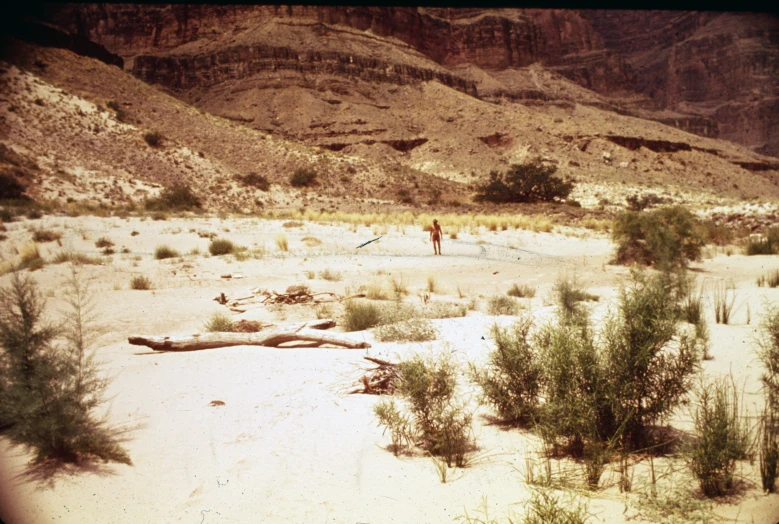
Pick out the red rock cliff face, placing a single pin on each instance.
(717, 71)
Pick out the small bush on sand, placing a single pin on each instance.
(164, 251)
(639, 203)
(45, 235)
(544, 507)
(399, 286)
(767, 245)
(722, 434)
(503, 305)
(48, 390)
(360, 315)
(140, 282)
(412, 330)
(668, 237)
(438, 309)
(376, 290)
(531, 182)
(511, 380)
(437, 421)
(219, 322)
(104, 242)
(220, 246)
(521, 291)
(303, 178)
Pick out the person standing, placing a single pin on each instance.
(435, 237)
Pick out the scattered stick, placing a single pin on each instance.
(379, 380)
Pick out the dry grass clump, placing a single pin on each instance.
(221, 246)
(411, 330)
(77, 258)
(219, 322)
(331, 275)
(140, 282)
(770, 279)
(365, 314)
(568, 293)
(164, 251)
(281, 242)
(769, 419)
(432, 284)
(292, 223)
(46, 235)
(444, 310)
(399, 286)
(376, 290)
(768, 244)
(104, 242)
(523, 291)
(30, 258)
(503, 305)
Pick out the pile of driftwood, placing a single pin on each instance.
(293, 295)
(379, 380)
(310, 332)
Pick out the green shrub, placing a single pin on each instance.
(254, 180)
(219, 322)
(769, 356)
(220, 246)
(722, 437)
(568, 293)
(503, 305)
(523, 291)
(176, 198)
(153, 138)
(646, 379)
(438, 422)
(531, 182)
(511, 380)
(411, 330)
(48, 391)
(10, 188)
(45, 235)
(668, 237)
(303, 178)
(164, 251)
(140, 282)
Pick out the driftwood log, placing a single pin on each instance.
(379, 380)
(303, 332)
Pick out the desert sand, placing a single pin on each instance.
(289, 444)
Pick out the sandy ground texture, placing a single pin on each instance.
(289, 444)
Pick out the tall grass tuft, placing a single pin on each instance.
(568, 293)
(723, 436)
(523, 291)
(331, 275)
(360, 315)
(399, 286)
(544, 507)
(281, 242)
(724, 297)
(219, 322)
(511, 381)
(140, 282)
(221, 246)
(770, 279)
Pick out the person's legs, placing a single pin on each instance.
(437, 246)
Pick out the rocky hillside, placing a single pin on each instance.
(710, 73)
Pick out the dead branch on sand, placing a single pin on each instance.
(301, 332)
(297, 296)
(379, 380)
